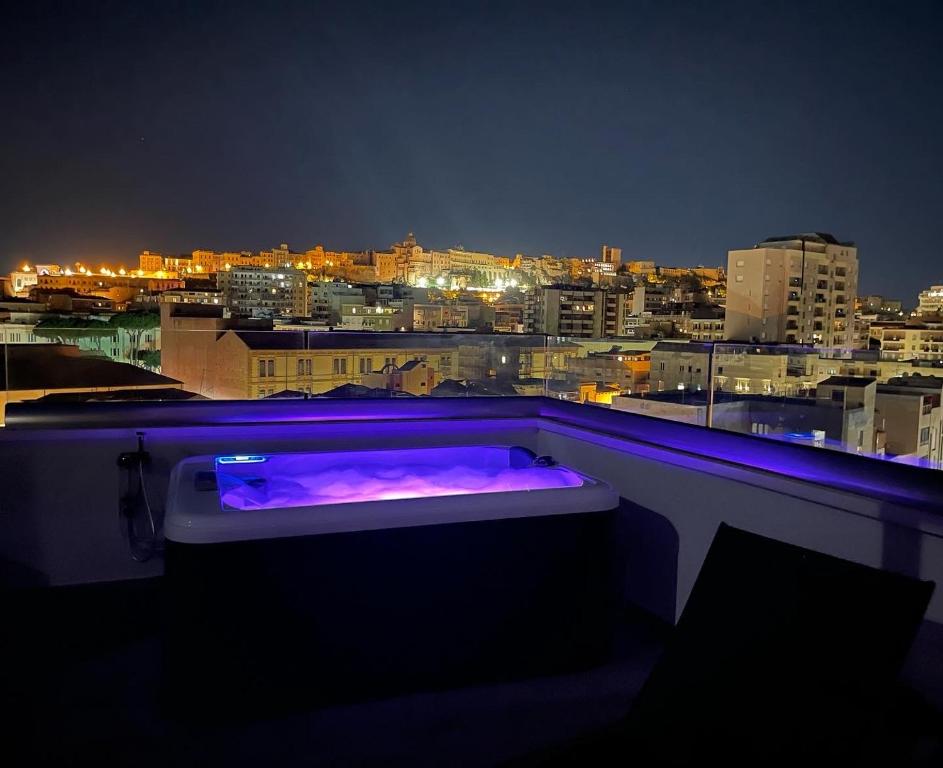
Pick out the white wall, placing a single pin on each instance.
(695, 496)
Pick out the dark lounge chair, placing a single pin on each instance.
(782, 655)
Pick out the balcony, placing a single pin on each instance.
(90, 616)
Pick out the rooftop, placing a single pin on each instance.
(708, 526)
(823, 238)
(695, 347)
(847, 381)
(62, 366)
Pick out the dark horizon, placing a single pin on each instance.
(675, 133)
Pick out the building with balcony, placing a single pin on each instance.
(908, 340)
(186, 296)
(795, 289)
(703, 324)
(930, 302)
(261, 292)
(429, 317)
(357, 317)
(627, 371)
(579, 312)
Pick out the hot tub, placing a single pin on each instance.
(313, 577)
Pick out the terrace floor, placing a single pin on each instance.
(81, 675)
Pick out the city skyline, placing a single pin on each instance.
(676, 134)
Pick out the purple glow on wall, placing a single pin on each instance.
(314, 479)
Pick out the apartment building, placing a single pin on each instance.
(680, 365)
(579, 312)
(261, 292)
(357, 317)
(244, 358)
(184, 296)
(414, 377)
(325, 299)
(908, 341)
(766, 370)
(702, 324)
(910, 409)
(429, 317)
(119, 288)
(795, 289)
(626, 371)
(930, 301)
(258, 364)
(857, 396)
(735, 369)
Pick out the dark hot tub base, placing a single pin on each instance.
(275, 624)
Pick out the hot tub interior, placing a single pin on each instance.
(315, 479)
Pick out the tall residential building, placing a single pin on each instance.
(796, 289)
(259, 292)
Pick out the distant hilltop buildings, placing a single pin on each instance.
(405, 262)
(796, 289)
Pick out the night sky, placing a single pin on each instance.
(674, 130)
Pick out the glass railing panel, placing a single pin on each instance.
(867, 402)
(181, 361)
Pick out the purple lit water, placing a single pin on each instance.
(314, 479)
